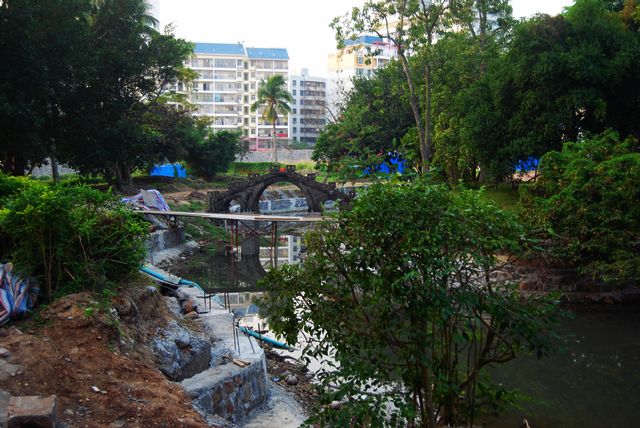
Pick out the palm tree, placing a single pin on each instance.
(274, 98)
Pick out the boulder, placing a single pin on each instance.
(32, 411)
(181, 352)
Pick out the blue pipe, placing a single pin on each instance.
(269, 340)
(164, 278)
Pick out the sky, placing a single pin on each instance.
(300, 26)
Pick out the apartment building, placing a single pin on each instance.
(308, 109)
(227, 86)
(359, 58)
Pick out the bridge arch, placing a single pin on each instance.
(253, 201)
(248, 192)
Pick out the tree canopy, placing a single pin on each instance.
(80, 82)
(399, 292)
(274, 99)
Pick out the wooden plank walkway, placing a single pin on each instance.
(238, 216)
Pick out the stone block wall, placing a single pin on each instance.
(235, 396)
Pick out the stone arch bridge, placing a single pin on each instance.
(248, 192)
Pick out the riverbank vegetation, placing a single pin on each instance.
(402, 293)
(68, 237)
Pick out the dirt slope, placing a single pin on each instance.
(73, 349)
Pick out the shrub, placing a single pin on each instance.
(71, 237)
(212, 155)
(399, 292)
(586, 204)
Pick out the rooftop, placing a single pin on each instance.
(267, 53)
(365, 40)
(219, 48)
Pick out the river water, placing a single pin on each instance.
(591, 380)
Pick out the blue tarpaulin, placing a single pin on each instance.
(394, 164)
(169, 170)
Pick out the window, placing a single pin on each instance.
(302, 93)
(295, 129)
(246, 76)
(246, 88)
(295, 110)
(253, 97)
(296, 120)
(253, 120)
(360, 60)
(253, 86)
(205, 86)
(293, 92)
(293, 83)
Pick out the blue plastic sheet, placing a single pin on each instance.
(169, 170)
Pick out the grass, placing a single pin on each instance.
(504, 196)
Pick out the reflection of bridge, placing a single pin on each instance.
(247, 193)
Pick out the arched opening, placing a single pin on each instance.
(234, 206)
(277, 196)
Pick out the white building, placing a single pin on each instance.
(308, 110)
(227, 85)
(360, 57)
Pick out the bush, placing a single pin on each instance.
(586, 204)
(399, 292)
(215, 153)
(71, 237)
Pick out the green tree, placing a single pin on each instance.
(413, 26)
(562, 77)
(133, 67)
(274, 99)
(585, 206)
(375, 117)
(44, 46)
(399, 292)
(214, 153)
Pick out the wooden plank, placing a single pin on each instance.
(245, 217)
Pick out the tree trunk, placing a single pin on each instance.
(425, 149)
(275, 147)
(55, 174)
(415, 107)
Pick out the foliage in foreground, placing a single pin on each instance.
(586, 203)
(68, 237)
(399, 293)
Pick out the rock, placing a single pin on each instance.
(173, 305)
(32, 411)
(608, 300)
(228, 386)
(335, 405)
(151, 289)
(191, 315)
(123, 307)
(528, 284)
(291, 380)
(5, 397)
(188, 306)
(4, 353)
(181, 353)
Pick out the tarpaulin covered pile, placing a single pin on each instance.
(17, 295)
(147, 200)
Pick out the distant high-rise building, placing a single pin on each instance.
(227, 86)
(308, 110)
(360, 57)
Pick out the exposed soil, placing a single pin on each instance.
(72, 348)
